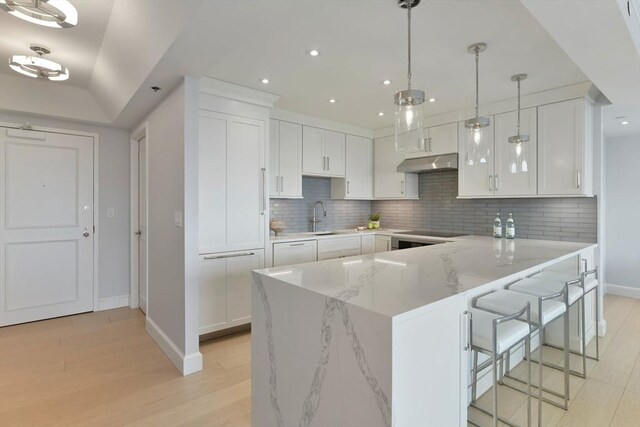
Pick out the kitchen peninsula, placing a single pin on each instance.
(380, 339)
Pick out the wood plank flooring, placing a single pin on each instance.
(103, 369)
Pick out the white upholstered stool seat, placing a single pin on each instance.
(543, 287)
(508, 333)
(505, 302)
(590, 282)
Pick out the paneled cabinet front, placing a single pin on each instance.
(323, 152)
(225, 289)
(285, 171)
(287, 253)
(441, 139)
(388, 183)
(232, 193)
(358, 182)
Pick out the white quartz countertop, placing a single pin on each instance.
(393, 283)
(292, 237)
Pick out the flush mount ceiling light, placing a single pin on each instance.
(478, 147)
(37, 66)
(518, 155)
(50, 13)
(409, 117)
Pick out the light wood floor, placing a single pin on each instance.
(102, 369)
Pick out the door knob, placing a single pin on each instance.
(85, 234)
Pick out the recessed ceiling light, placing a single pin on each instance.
(265, 81)
(50, 13)
(381, 114)
(625, 122)
(333, 101)
(314, 52)
(432, 100)
(386, 82)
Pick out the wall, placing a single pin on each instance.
(341, 214)
(622, 220)
(572, 219)
(113, 189)
(172, 308)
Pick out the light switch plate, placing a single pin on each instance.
(111, 213)
(177, 219)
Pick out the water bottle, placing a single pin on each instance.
(511, 227)
(497, 227)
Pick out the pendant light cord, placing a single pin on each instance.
(518, 106)
(477, 80)
(409, 44)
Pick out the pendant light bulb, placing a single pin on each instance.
(477, 145)
(518, 153)
(409, 114)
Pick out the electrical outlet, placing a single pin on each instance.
(111, 213)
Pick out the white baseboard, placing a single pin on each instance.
(623, 291)
(113, 302)
(188, 364)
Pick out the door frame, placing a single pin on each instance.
(96, 195)
(140, 132)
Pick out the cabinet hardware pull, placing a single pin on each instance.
(495, 180)
(229, 256)
(578, 178)
(430, 149)
(467, 330)
(324, 163)
(296, 244)
(401, 187)
(348, 187)
(328, 163)
(490, 182)
(264, 191)
(282, 183)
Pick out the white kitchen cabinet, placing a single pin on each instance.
(287, 253)
(368, 244)
(441, 139)
(565, 138)
(323, 152)
(475, 178)
(285, 166)
(358, 181)
(382, 244)
(232, 192)
(387, 182)
(510, 180)
(339, 247)
(225, 289)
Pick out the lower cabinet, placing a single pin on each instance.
(383, 244)
(341, 247)
(368, 245)
(288, 253)
(225, 288)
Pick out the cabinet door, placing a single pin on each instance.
(359, 168)
(290, 159)
(274, 158)
(475, 178)
(212, 189)
(239, 278)
(368, 245)
(313, 157)
(442, 139)
(387, 182)
(560, 148)
(516, 165)
(334, 150)
(294, 253)
(213, 294)
(245, 200)
(383, 244)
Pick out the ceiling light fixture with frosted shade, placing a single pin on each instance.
(478, 147)
(518, 154)
(50, 13)
(37, 66)
(409, 115)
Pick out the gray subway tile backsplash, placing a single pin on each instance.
(438, 209)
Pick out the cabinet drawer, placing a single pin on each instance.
(339, 244)
(338, 254)
(288, 253)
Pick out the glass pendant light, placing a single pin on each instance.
(518, 154)
(478, 146)
(409, 114)
(50, 13)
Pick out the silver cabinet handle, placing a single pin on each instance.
(466, 324)
(296, 244)
(328, 163)
(402, 187)
(282, 183)
(495, 180)
(229, 256)
(324, 163)
(430, 149)
(348, 187)
(264, 191)
(578, 178)
(490, 182)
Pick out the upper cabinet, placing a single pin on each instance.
(358, 181)
(323, 152)
(285, 171)
(565, 140)
(388, 183)
(442, 139)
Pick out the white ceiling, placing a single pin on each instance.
(364, 42)
(77, 48)
(614, 115)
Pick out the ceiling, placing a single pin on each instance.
(76, 48)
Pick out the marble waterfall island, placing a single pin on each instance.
(379, 339)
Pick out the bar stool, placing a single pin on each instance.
(544, 310)
(589, 284)
(495, 335)
(541, 287)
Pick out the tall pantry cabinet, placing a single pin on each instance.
(233, 207)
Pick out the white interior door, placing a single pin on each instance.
(142, 223)
(46, 231)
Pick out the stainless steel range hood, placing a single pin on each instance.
(429, 163)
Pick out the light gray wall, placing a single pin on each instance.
(113, 248)
(572, 219)
(622, 207)
(341, 214)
